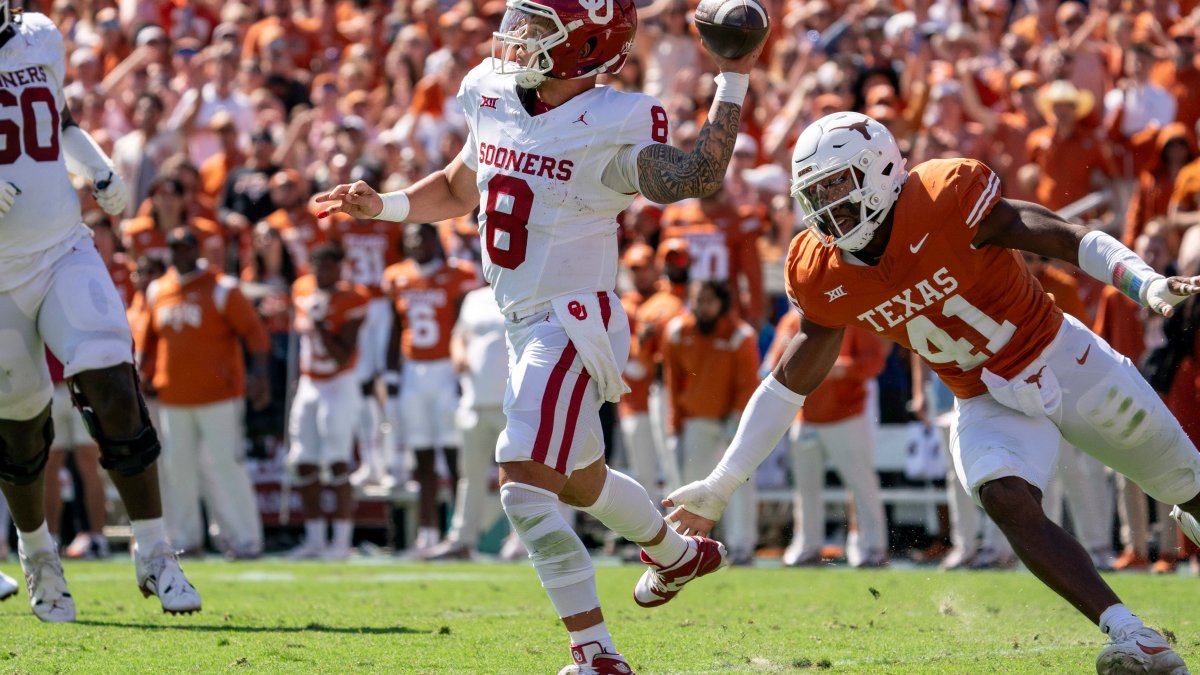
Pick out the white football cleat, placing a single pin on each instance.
(159, 574)
(592, 659)
(336, 553)
(307, 550)
(1187, 523)
(8, 586)
(659, 584)
(48, 595)
(1140, 651)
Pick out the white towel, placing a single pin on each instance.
(1034, 391)
(582, 319)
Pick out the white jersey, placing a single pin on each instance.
(547, 221)
(481, 324)
(32, 74)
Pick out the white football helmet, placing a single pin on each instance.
(840, 160)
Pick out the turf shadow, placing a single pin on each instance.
(225, 628)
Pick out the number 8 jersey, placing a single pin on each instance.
(547, 220)
(957, 306)
(32, 76)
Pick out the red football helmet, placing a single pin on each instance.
(563, 39)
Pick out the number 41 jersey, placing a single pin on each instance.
(547, 221)
(957, 306)
(32, 75)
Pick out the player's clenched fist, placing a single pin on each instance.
(357, 200)
(8, 195)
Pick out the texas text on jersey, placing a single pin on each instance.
(547, 217)
(957, 306)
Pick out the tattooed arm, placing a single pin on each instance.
(667, 174)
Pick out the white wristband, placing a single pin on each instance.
(395, 206)
(732, 87)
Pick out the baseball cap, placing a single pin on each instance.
(150, 34)
(182, 236)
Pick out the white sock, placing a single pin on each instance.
(343, 530)
(38, 540)
(314, 531)
(625, 508)
(1118, 620)
(148, 533)
(598, 633)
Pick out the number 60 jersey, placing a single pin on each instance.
(32, 75)
(957, 306)
(547, 221)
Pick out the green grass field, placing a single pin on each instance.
(373, 616)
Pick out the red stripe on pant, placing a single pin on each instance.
(564, 450)
(541, 445)
(605, 307)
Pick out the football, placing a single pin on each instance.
(732, 28)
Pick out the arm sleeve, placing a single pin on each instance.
(621, 174)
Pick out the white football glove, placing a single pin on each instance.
(8, 195)
(701, 499)
(110, 193)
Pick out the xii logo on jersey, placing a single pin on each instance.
(488, 102)
(839, 292)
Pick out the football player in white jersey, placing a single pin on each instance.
(551, 159)
(55, 290)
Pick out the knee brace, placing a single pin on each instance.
(556, 551)
(126, 456)
(22, 468)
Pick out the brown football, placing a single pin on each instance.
(732, 28)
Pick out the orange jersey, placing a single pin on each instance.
(723, 245)
(192, 337)
(141, 236)
(370, 247)
(710, 375)
(121, 270)
(346, 302)
(301, 233)
(648, 319)
(428, 305)
(932, 292)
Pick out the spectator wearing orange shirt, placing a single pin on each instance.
(192, 357)
(1152, 197)
(147, 235)
(1179, 74)
(1007, 130)
(1065, 153)
(279, 23)
(834, 429)
(711, 369)
(215, 169)
(293, 220)
(329, 312)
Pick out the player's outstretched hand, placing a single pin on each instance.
(357, 200)
(8, 195)
(742, 64)
(1164, 294)
(698, 508)
(110, 193)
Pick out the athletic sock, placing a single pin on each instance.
(343, 531)
(148, 534)
(38, 540)
(598, 633)
(625, 508)
(314, 531)
(1118, 620)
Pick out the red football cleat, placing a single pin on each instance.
(659, 584)
(591, 659)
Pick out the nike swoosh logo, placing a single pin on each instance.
(917, 246)
(1152, 650)
(1083, 358)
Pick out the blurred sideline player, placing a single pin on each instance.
(329, 314)
(428, 290)
(46, 257)
(926, 259)
(550, 160)
(368, 247)
(833, 429)
(479, 354)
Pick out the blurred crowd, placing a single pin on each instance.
(225, 117)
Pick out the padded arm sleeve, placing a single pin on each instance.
(767, 416)
(84, 157)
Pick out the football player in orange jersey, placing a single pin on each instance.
(329, 314)
(924, 258)
(428, 291)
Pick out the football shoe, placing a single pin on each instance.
(660, 584)
(1140, 651)
(159, 574)
(48, 595)
(591, 658)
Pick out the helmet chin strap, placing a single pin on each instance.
(858, 238)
